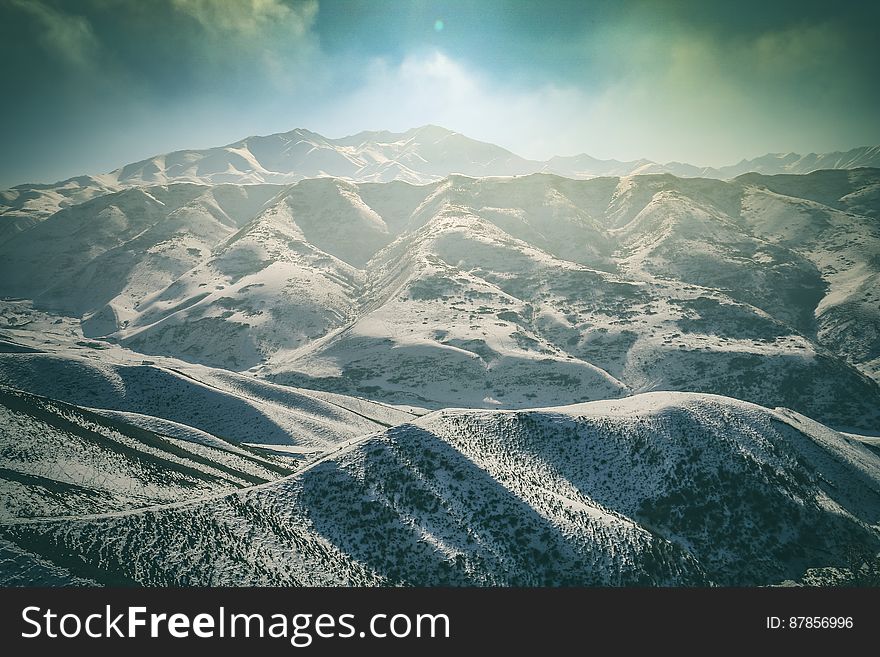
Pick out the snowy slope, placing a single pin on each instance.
(584, 166)
(830, 219)
(25, 206)
(265, 288)
(233, 408)
(659, 488)
(687, 296)
(489, 292)
(62, 460)
(435, 331)
(180, 334)
(795, 163)
(120, 246)
(420, 155)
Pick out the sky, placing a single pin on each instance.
(90, 85)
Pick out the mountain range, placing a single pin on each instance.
(419, 359)
(418, 156)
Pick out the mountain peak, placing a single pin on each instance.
(431, 129)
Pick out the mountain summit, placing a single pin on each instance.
(419, 155)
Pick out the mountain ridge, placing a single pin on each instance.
(487, 292)
(591, 494)
(381, 156)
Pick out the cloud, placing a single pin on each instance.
(681, 94)
(690, 94)
(270, 40)
(433, 87)
(250, 18)
(102, 82)
(173, 46)
(69, 38)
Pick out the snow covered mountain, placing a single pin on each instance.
(487, 292)
(779, 163)
(235, 408)
(425, 154)
(657, 489)
(584, 166)
(418, 155)
(416, 358)
(421, 155)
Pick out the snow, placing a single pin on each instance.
(369, 361)
(611, 489)
(469, 291)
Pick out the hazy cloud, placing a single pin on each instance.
(270, 33)
(674, 92)
(68, 37)
(434, 88)
(250, 18)
(692, 95)
(96, 83)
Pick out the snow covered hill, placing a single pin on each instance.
(487, 292)
(421, 155)
(233, 408)
(584, 166)
(660, 488)
(62, 460)
(25, 206)
(118, 247)
(781, 163)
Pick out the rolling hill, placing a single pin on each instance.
(656, 489)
